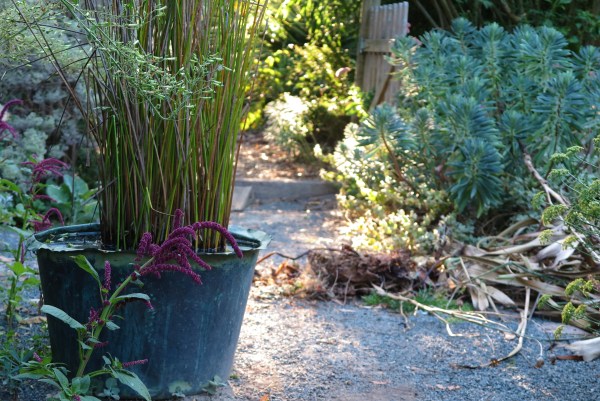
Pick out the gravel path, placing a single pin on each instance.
(294, 350)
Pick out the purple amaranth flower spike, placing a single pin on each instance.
(144, 246)
(158, 268)
(175, 253)
(94, 316)
(45, 223)
(178, 219)
(217, 227)
(107, 274)
(45, 167)
(4, 126)
(133, 363)
(37, 357)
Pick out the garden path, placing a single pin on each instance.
(300, 350)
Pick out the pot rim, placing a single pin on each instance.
(57, 239)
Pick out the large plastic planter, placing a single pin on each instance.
(191, 335)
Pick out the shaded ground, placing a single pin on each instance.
(261, 160)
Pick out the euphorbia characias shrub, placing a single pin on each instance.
(489, 96)
(473, 103)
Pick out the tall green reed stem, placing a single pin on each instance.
(167, 86)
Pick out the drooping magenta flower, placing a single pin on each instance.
(165, 267)
(44, 168)
(93, 318)
(133, 363)
(217, 227)
(176, 252)
(107, 274)
(45, 223)
(4, 126)
(178, 219)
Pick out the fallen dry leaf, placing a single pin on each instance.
(33, 320)
(587, 349)
(451, 387)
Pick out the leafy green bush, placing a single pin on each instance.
(385, 209)
(48, 121)
(309, 50)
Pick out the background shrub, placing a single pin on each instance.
(48, 122)
(576, 19)
(309, 51)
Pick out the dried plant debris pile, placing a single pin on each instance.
(499, 274)
(342, 273)
(496, 272)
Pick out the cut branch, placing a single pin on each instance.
(543, 182)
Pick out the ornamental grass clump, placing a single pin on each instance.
(166, 89)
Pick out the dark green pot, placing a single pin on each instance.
(191, 335)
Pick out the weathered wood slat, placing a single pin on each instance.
(379, 26)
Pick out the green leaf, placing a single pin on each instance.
(18, 268)
(31, 281)
(84, 264)
(62, 316)
(49, 381)
(133, 296)
(132, 381)
(59, 193)
(112, 326)
(61, 379)
(33, 376)
(9, 186)
(22, 233)
(82, 384)
(88, 398)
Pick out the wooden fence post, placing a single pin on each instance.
(379, 26)
(364, 29)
